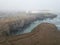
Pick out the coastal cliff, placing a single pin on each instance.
(18, 22)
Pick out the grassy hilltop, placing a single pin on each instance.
(43, 34)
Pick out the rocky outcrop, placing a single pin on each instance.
(43, 34)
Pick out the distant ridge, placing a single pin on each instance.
(40, 11)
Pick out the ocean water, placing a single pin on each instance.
(55, 21)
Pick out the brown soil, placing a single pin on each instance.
(43, 34)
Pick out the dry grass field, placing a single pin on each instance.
(43, 34)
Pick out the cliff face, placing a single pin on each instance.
(43, 34)
(12, 24)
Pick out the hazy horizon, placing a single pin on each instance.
(23, 5)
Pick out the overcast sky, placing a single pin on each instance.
(30, 5)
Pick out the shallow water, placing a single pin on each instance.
(55, 21)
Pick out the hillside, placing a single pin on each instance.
(43, 34)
